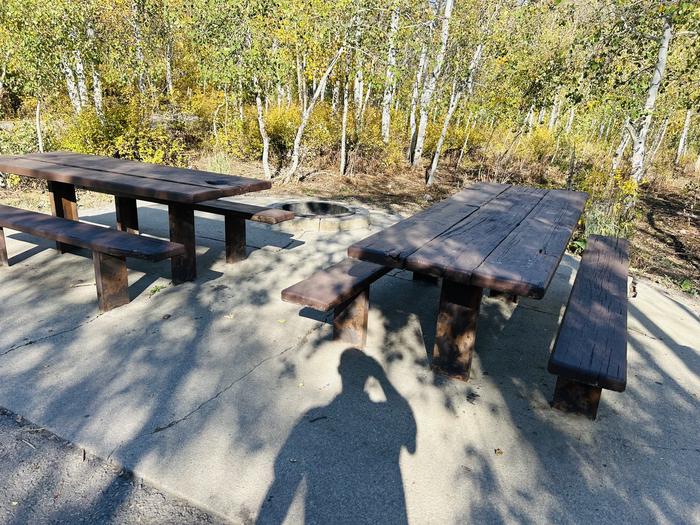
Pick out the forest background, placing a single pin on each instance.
(396, 103)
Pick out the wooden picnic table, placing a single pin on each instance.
(130, 180)
(506, 238)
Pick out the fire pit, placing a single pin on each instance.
(323, 216)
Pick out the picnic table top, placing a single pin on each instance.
(130, 178)
(498, 236)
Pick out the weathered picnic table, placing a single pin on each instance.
(182, 190)
(497, 236)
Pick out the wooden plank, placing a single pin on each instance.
(572, 396)
(244, 210)
(335, 285)
(127, 214)
(89, 236)
(117, 184)
(64, 204)
(111, 280)
(525, 262)
(4, 260)
(591, 346)
(458, 251)
(350, 320)
(181, 220)
(391, 247)
(235, 238)
(455, 335)
(207, 179)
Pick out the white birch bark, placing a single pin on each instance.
(80, 78)
(138, 48)
(431, 83)
(422, 63)
(620, 151)
(658, 141)
(344, 128)
(97, 93)
(169, 68)
(70, 85)
(454, 100)
(473, 66)
(683, 141)
(37, 124)
(306, 115)
(389, 77)
(640, 133)
(570, 120)
(263, 132)
(554, 115)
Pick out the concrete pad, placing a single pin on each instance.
(219, 392)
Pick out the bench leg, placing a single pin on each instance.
(235, 239)
(350, 320)
(184, 267)
(455, 336)
(64, 204)
(4, 261)
(111, 280)
(425, 278)
(127, 214)
(572, 396)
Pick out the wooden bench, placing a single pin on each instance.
(110, 248)
(235, 214)
(590, 352)
(343, 288)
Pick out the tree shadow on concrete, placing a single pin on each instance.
(346, 454)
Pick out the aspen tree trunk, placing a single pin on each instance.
(466, 141)
(454, 99)
(169, 68)
(658, 141)
(80, 78)
(554, 115)
(620, 152)
(431, 83)
(639, 134)
(389, 77)
(301, 83)
(71, 86)
(570, 121)
(697, 164)
(358, 89)
(138, 48)
(3, 75)
(422, 62)
(335, 96)
(473, 66)
(37, 123)
(263, 133)
(683, 142)
(344, 128)
(97, 93)
(306, 115)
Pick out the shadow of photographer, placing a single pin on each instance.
(346, 454)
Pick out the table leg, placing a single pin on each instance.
(184, 267)
(235, 238)
(4, 261)
(127, 214)
(65, 205)
(455, 336)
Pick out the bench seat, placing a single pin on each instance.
(235, 214)
(110, 248)
(343, 288)
(590, 352)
